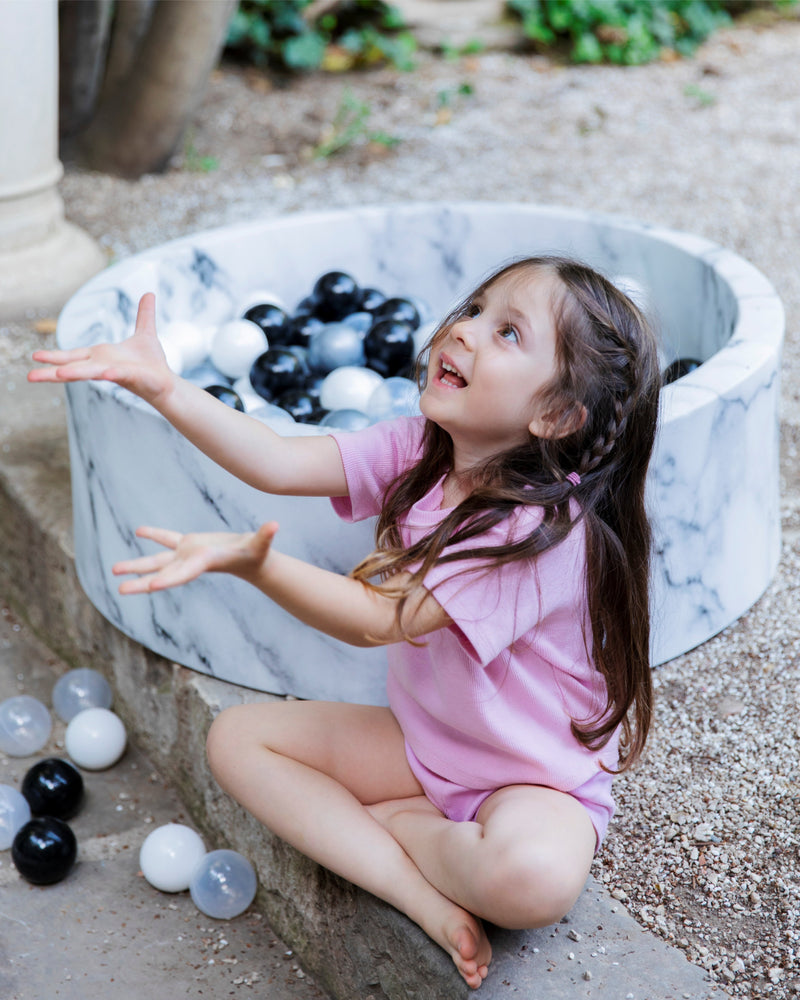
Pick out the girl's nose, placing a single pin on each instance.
(464, 331)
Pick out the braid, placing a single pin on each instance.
(603, 444)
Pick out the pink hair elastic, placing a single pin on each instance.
(574, 478)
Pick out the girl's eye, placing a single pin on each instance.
(509, 333)
(472, 310)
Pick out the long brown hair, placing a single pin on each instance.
(602, 406)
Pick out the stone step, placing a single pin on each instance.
(353, 944)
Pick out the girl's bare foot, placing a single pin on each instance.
(453, 928)
(464, 938)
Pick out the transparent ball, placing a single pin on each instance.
(348, 388)
(80, 689)
(360, 321)
(269, 413)
(95, 739)
(14, 814)
(223, 885)
(336, 345)
(25, 725)
(395, 397)
(169, 856)
(345, 420)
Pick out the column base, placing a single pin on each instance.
(37, 280)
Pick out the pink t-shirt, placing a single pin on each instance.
(488, 701)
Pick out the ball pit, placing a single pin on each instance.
(713, 486)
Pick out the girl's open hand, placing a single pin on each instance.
(137, 364)
(189, 556)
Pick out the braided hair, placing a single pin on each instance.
(601, 410)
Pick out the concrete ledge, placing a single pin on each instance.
(354, 945)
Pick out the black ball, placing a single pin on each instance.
(302, 328)
(400, 309)
(226, 395)
(275, 371)
(273, 320)
(53, 787)
(335, 296)
(678, 369)
(44, 850)
(389, 346)
(369, 299)
(302, 405)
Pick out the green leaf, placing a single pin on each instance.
(304, 51)
(587, 49)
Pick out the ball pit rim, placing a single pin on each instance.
(757, 334)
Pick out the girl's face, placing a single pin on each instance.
(486, 371)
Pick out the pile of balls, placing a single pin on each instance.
(344, 357)
(33, 819)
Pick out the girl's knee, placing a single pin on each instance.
(534, 888)
(224, 740)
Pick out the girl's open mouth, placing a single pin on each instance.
(450, 376)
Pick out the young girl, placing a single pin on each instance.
(509, 580)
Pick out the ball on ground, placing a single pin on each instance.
(14, 814)
(53, 787)
(223, 884)
(25, 725)
(80, 689)
(95, 739)
(169, 856)
(44, 850)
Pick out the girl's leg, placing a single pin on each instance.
(306, 771)
(522, 863)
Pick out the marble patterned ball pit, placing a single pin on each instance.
(713, 485)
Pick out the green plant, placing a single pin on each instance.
(194, 160)
(703, 98)
(350, 125)
(276, 34)
(629, 32)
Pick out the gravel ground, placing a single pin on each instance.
(704, 849)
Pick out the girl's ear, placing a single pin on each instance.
(559, 424)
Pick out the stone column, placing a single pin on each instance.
(43, 258)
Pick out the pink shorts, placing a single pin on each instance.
(461, 804)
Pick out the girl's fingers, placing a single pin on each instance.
(163, 536)
(56, 357)
(174, 574)
(146, 314)
(142, 564)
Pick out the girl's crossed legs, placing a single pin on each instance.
(332, 779)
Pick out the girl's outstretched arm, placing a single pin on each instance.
(337, 605)
(307, 466)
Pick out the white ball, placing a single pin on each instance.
(236, 345)
(192, 340)
(169, 856)
(95, 739)
(174, 356)
(348, 388)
